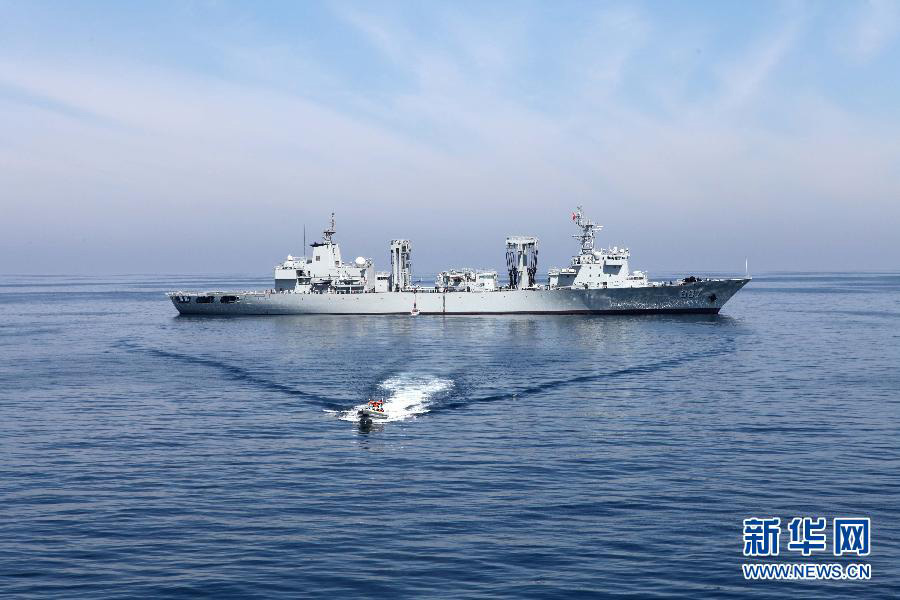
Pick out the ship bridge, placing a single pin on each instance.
(325, 270)
(595, 268)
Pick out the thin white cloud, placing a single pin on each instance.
(876, 26)
(613, 36)
(745, 77)
(390, 41)
(167, 150)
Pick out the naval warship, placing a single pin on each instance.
(597, 281)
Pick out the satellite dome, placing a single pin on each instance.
(360, 261)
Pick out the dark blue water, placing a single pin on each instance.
(149, 455)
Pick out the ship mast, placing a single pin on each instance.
(586, 237)
(330, 231)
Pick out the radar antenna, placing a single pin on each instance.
(330, 231)
(586, 237)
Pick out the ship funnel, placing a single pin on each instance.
(401, 262)
(521, 261)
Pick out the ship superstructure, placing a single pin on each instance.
(596, 281)
(596, 268)
(466, 280)
(325, 271)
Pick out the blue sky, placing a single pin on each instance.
(202, 136)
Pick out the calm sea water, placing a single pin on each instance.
(145, 454)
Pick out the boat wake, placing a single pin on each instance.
(404, 397)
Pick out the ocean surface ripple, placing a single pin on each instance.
(151, 455)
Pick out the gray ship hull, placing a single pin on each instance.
(707, 296)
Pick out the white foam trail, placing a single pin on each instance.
(405, 397)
